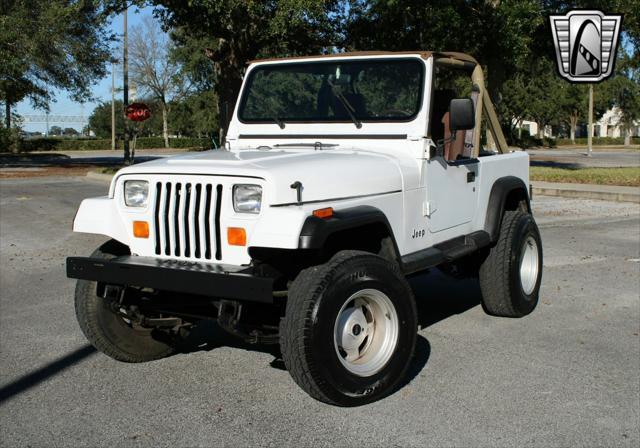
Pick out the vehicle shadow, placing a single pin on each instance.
(438, 297)
(550, 163)
(207, 335)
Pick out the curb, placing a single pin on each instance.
(99, 176)
(587, 191)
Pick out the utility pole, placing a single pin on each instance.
(46, 134)
(125, 88)
(7, 113)
(82, 118)
(590, 125)
(113, 106)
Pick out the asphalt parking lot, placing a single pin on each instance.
(566, 375)
(577, 157)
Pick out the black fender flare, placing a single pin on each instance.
(497, 200)
(315, 231)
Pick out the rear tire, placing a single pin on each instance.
(350, 329)
(511, 274)
(108, 332)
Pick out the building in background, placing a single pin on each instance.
(607, 126)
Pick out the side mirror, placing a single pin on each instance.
(461, 115)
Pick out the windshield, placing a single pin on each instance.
(333, 91)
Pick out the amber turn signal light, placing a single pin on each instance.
(236, 236)
(323, 213)
(141, 229)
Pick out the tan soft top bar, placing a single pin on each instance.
(423, 54)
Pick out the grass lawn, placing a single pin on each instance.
(110, 169)
(628, 176)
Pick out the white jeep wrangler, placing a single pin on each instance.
(341, 175)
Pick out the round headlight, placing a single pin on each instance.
(247, 198)
(136, 193)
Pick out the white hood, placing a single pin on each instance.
(324, 174)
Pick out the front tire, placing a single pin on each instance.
(511, 274)
(350, 329)
(108, 332)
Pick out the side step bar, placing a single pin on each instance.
(446, 251)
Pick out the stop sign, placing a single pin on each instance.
(138, 112)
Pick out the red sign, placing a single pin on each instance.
(138, 112)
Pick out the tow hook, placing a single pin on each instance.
(113, 293)
(160, 322)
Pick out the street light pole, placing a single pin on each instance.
(113, 106)
(590, 126)
(125, 87)
(7, 113)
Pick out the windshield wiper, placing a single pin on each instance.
(346, 104)
(278, 121)
(316, 145)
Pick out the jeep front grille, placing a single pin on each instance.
(187, 220)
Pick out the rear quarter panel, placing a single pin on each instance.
(492, 168)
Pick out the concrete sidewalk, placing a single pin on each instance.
(588, 191)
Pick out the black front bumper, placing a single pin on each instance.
(207, 279)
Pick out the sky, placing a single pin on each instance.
(101, 90)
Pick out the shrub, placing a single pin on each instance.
(9, 140)
(550, 142)
(59, 144)
(89, 144)
(528, 141)
(598, 141)
(180, 142)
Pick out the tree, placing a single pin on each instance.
(100, 119)
(514, 106)
(70, 132)
(55, 130)
(153, 69)
(500, 34)
(510, 38)
(544, 103)
(536, 94)
(573, 99)
(237, 31)
(196, 115)
(57, 44)
(622, 91)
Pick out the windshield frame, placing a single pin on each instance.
(254, 70)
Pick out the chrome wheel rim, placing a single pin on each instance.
(529, 265)
(366, 332)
